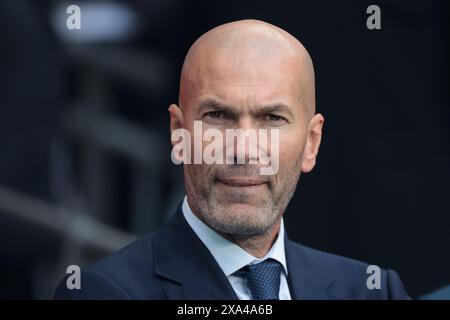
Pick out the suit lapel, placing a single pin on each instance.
(189, 269)
(307, 278)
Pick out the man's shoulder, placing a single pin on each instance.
(135, 255)
(124, 274)
(350, 278)
(328, 259)
(140, 269)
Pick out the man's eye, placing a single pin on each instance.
(275, 118)
(214, 114)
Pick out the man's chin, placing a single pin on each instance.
(238, 207)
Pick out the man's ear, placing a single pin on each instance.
(176, 120)
(313, 138)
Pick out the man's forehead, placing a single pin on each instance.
(257, 57)
(249, 70)
(255, 79)
(244, 90)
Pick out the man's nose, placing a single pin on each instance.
(245, 142)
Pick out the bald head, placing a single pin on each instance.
(248, 53)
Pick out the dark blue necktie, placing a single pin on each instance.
(263, 279)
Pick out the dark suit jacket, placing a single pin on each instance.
(174, 264)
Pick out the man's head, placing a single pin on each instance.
(248, 74)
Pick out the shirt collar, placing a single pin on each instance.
(229, 255)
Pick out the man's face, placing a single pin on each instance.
(256, 93)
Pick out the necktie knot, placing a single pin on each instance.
(263, 279)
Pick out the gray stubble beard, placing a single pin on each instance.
(218, 218)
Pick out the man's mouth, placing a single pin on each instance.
(241, 182)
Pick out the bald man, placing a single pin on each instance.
(227, 238)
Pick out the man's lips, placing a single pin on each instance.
(241, 182)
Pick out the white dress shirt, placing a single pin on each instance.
(232, 257)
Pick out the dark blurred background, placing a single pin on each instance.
(84, 140)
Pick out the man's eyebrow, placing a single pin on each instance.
(215, 105)
(278, 107)
(259, 110)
